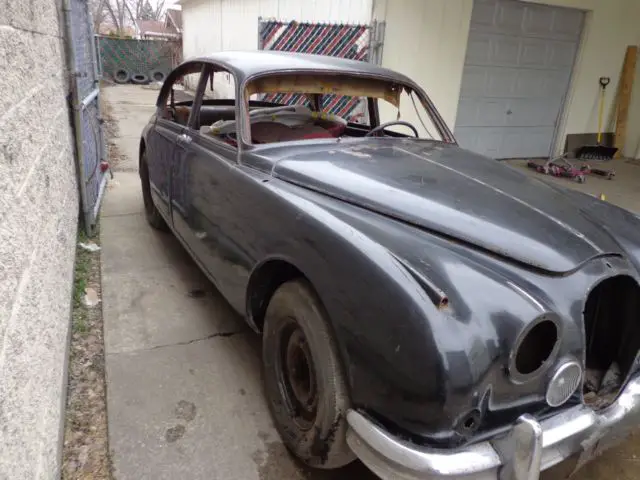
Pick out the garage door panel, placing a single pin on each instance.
(506, 51)
(479, 51)
(534, 53)
(554, 84)
(567, 23)
(531, 84)
(509, 17)
(526, 112)
(526, 142)
(506, 82)
(562, 55)
(538, 21)
(517, 72)
(489, 140)
(484, 14)
(501, 82)
(474, 80)
(474, 112)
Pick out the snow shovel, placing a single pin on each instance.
(599, 151)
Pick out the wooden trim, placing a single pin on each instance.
(624, 97)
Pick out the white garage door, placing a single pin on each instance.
(516, 76)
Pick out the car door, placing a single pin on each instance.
(171, 122)
(205, 204)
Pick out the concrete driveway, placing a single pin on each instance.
(183, 371)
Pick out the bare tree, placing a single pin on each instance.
(120, 13)
(99, 13)
(147, 10)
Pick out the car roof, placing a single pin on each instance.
(245, 64)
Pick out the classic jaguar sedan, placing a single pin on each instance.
(432, 312)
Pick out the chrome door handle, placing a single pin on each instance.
(184, 138)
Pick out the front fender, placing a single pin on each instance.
(420, 366)
(382, 316)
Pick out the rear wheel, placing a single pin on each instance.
(304, 383)
(151, 212)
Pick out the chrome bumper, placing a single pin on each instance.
(529, 448)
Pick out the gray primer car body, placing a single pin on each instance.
(385, 229)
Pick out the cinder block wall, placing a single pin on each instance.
(38, 216)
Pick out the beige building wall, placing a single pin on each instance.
(38, 216)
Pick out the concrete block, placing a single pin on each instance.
(38, 221)
(39, 65)
(39, 16)
(31, 131)
(31, 376)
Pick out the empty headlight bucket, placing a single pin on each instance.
(564, 382)
(535, 348)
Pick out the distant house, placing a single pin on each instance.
(157, 30)
(173, 20)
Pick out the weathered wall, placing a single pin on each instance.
(38, 212)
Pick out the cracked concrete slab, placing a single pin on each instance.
(135, 319)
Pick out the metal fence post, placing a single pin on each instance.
(85, 102)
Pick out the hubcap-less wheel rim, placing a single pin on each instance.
(297, 377)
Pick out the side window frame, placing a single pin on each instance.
(170, 82)
(197, 101)
(208, 71)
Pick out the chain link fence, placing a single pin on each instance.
(90, 145)
(123, 59)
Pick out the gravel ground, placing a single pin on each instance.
(86, 446)
(86, 450)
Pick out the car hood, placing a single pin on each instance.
(455, 193)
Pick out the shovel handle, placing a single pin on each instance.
(604, 81)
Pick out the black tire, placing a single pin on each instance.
(151, 212)
(304, 382)
(157, 76)
(140, 79)
(121, 76)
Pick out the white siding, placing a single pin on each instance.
(427, 40)
(215, 25)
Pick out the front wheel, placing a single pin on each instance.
(303, 378)
(151, 212)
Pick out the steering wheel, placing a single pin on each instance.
(379, 128)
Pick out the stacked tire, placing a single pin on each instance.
(122, 76)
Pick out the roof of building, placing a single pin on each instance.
(153, 28)
(175, 18)
(245, 64)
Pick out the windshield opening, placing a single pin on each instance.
(295, 106)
